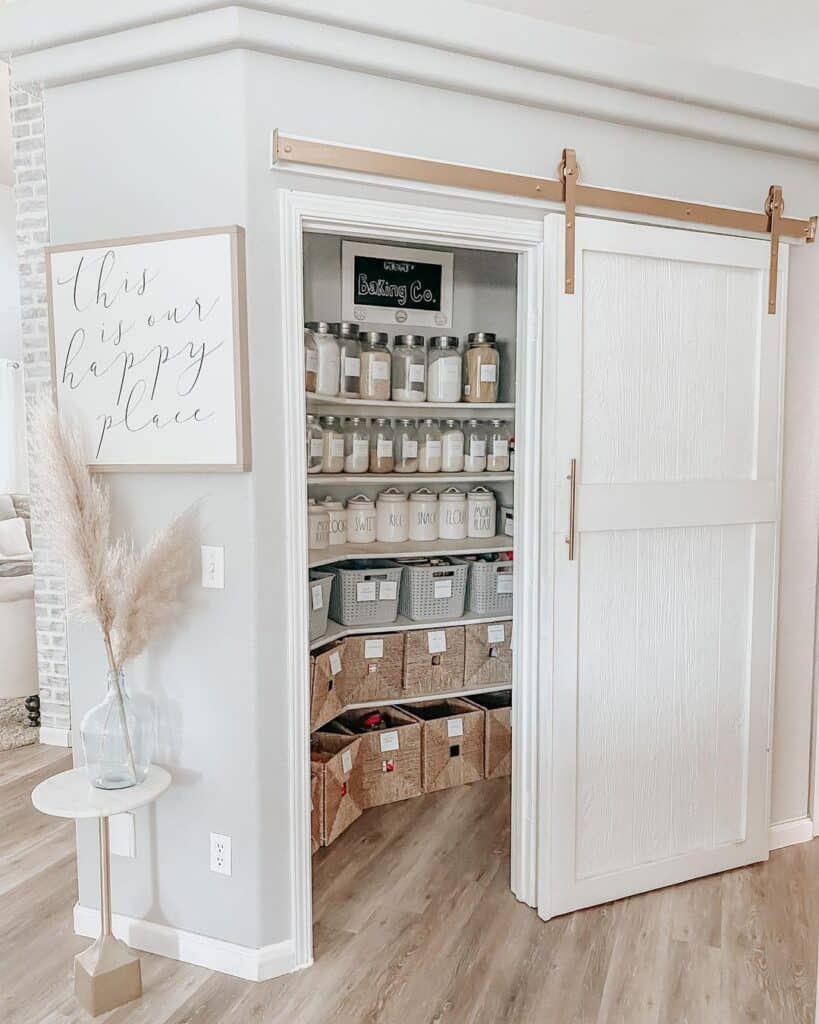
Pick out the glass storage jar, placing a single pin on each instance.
(406, 447)
(452, 514)
(392, 516)
(429, 447)
(475, 447)
(310, 361)
(452, 447)
(409, 368)
(349, 354)
(497, 448)
(333, 445)
(481, 514)
(318, 526)
(356, 445)
(327, 355)
(376, 362)
(481, 366)
(382, 457)
(360, 520)
(444, 373)
(315, 445)
(338, 521)
(423, 515)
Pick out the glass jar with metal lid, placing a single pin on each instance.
(406, 447)
(497, 446)
(327, 358)
(481, 368)
(382, 457)
(349, 353)
(444, 372)
(356, 445)
(315, 445)
(452, 447)
(475, 447)
(332, 445)
(375, 366)
(429, 446)
(409, 368)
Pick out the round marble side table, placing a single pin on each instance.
(107, 974)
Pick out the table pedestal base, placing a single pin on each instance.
(106, 975)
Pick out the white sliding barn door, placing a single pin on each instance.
(668, 389)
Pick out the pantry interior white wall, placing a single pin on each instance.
(185, 143)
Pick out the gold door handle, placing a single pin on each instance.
(572, 478)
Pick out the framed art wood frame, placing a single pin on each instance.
(148, 339)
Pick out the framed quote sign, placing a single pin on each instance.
(148, 349)
(388, 284)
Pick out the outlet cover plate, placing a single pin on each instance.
(213, 567)
(220, 854)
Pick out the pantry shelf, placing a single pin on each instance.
(466, 692)
(409, 549)
(335, 631)
(349, 479)
(365, 407)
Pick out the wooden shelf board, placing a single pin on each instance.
(408, 549)
(335, 631)
(356, 479)
(466, 692)
(458, 410)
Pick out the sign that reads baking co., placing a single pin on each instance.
(148, 349)
(384, 283)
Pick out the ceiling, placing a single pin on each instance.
(782, 41)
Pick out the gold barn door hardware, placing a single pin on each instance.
(566, 190)
(774, 207)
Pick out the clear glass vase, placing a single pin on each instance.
(118, 737)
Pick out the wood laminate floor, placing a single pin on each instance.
(415, 924)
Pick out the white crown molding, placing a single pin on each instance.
(458, 46)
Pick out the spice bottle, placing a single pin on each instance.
(475, 453)
(349, 352)
(327, 355)
(444, 374)
(452, 447)
(382, 459)
(333, 445)
(375, 366)
(406, 447)
(356, 445)
(497, 452)
(481, 363)
(409, 368)
(429, 447)
(315, 445)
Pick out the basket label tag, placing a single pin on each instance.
(374, 648)
(436, 641)
(346, 761)
(387, 590)
(503, 583)
(389, 741)
(454, 727)
(335, 663)
(317, 595)
(495, 633)
(442, 588)
(509, 526)
(365, 591)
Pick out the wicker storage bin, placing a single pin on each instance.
(365, 593)
(427, 668)
(488, 654)
(489, 591)
(319, 585)
(451, 743)
(391, 758)
(497, 711)
(374, 667)
(315, 808)
(431, 592)
(337, 762)
(327, 685)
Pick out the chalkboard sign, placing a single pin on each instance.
(383, 283)
(148, 349)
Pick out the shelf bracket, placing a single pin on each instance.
(774, 207)
(568, 172)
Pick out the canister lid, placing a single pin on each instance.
(361, 500)
(480, 338)
(373, 337)
(422, 494)
(333, 504)
(344, 329)
(319, 326)
(392, 494)
(481, 492)
(452, 494)
(442, 341)
(408, 339)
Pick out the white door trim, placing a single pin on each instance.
(302, 211)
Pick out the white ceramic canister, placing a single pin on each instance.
(452, 514)
(481, 513)
(318, 527)
(360, 520)
(392, 516)
(423, 515)
(338, 521)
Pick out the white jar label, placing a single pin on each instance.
(508, 526)
(500, 447)
(352, 367)
(361, 448)
(477, 449)
(389, 741)
(374, 648)
(384, 449)
(503, 583)
(317, 595)
(450, 371)
(337, 447)
(454, 446)
(489, 373)
(495, 633)
(311, 360)
(387, 590)
(454, 727)
(316, 447)
(436, 641)
(410, 449)
(346, 762)
(381, 370)
(416, 373)
(441, 589)
(433, 449)
(365, 591)
(335, 663)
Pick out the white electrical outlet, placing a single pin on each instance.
(213, 567)
(220, 859)
(121, 832)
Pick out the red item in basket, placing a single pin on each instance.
(373, 721)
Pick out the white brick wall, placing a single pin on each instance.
(31, 194)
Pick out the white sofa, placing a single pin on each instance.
(18, 644)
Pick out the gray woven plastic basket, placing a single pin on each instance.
(420, 584)
(482, 595)
(350, 604)
(318, 616)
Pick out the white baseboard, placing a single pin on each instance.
(788, 833)
(55, 737)
(227, 957)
